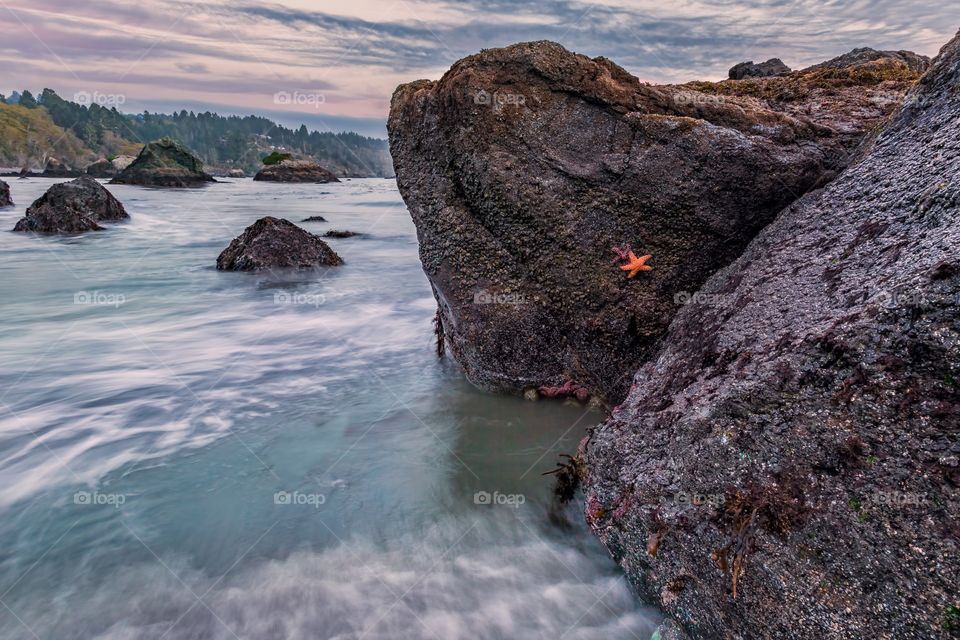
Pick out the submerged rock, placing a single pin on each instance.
(72, 207)
(276, 243)
(102, 168)
(314, 219)
(335, 233)
(295, 171)
(164, 163)
(786, 464)
(772, 67)
(531, 171)
(5, 199)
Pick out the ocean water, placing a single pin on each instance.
(186, 453)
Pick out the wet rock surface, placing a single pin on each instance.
(164, 163)
(276, 243)
(794, 438)
(295, 171)
(72, 207)
(531, 172)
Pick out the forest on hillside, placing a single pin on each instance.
(34, 128)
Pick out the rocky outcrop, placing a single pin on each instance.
(236, 173)
(121, 162)
(56, 169)
(772, 67)
(102, 168)
(879, 62)
(271, 243)
(72, 207)
(5, 199)
(314, 219)
(786, 463)
(531, 171)
(295, 171)
(164, 163)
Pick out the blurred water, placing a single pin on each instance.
(186, 453)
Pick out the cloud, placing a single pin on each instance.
(357, 51)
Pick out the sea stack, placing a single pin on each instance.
(276, 243)
(164, 163)
(72, 207)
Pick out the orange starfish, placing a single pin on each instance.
(636, 265)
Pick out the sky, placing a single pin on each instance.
(333, 64)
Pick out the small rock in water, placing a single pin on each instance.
(72, 207)
(57, 169)
(276, 243)
(295, 171)
(102, 168)
(314, 219)
(333, 233)
(5, 199)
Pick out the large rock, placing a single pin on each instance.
(796, 434)
(164, 163)
(5, 199)
(295, 171)
(72, 207)
(276, 243)
(121, 162)
(524, 168)
(772, 67)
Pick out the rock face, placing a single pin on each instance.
(795, 435)
(295, 171)
(5, 199)
(530, 170)
(276, 243)
(102, 168)
(72, 207)
(164, 163)
(56, 169)
(772, 67)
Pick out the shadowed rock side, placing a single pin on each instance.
(795, 437)
(164, 163)
(295, 171)
(102, 168)
(276, 243)
(5, 199)
(525, 167)
(72, 207)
